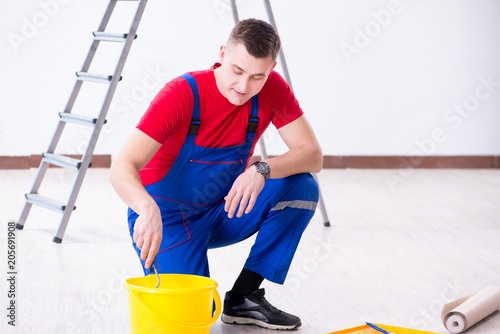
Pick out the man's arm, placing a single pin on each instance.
(304, 156)
(124, 176)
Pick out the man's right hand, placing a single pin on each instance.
(148, 231)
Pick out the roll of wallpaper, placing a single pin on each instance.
(461, 314)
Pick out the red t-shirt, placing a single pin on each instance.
(222, 124)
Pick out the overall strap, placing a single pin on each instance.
(195, 118)
(253, 122)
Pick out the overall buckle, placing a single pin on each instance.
(194, 126)
(253, 123)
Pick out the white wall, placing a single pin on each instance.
(389, 94)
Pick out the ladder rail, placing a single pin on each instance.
(42, 169)
(321, 202)
(100, 121)
(90, 55)
(78, 83)
(282, 52)
(234, 8)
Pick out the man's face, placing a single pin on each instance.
(241, 76)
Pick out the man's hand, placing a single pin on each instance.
(244, 191)
(148, 230)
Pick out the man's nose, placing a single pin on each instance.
(243, 85)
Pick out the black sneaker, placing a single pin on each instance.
(256, 310)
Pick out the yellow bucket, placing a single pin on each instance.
(182, 304)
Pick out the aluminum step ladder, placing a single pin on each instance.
(326, 221)
(67, 116)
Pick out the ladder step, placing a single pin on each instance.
(84, 76)
(72, 118)
(110, 37)
(62, 161)
(46, 202)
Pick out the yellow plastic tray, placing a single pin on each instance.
(365, 329)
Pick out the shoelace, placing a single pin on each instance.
(262, 300)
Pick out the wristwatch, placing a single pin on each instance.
(262, 168)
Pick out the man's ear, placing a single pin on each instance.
(272, 68)
(222, 53)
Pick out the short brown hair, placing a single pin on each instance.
(259, 38)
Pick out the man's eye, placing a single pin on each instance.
(238, 72)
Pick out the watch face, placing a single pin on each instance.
(263, 168)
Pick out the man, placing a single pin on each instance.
(183, 173)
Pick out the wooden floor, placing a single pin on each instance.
(401, 244)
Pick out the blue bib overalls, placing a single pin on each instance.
(191, 201)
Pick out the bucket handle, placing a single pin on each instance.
(156, 272)
(180, 325)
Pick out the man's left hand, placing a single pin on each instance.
(244, 192)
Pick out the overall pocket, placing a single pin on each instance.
(215, 170)
(175, 230)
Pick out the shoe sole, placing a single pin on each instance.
(251, 321)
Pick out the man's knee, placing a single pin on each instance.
(305, 186)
